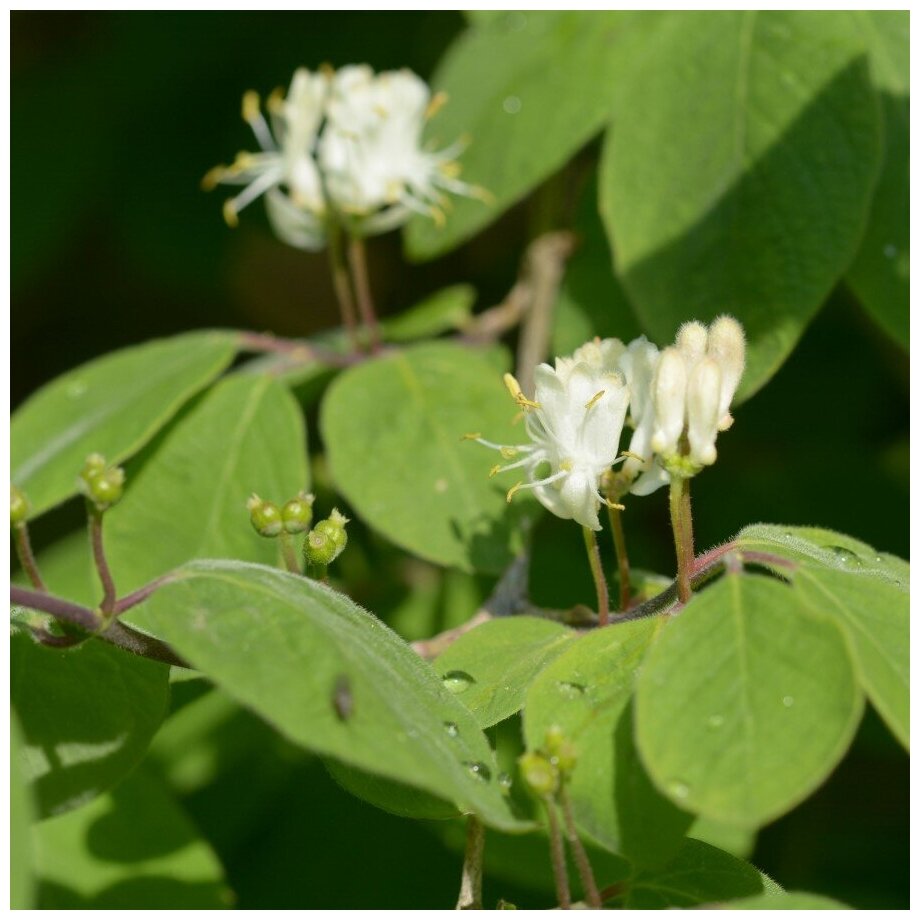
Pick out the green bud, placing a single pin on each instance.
(560, 750)
(264, 516)
(540, 775)
(19, 506)
(297, 513)
(319, 548)
(334, 528)
(103, 485)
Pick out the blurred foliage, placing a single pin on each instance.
(114, 242)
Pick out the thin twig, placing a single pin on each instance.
(298, 351)
(26, 556)
(102, 566)
(357, 260)
(471, 880)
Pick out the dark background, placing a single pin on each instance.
(115, 118)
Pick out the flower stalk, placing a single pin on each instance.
(27, 557)
(619, 546)
(471, 879)
(357, 260)
(682, 526)
(597, 571)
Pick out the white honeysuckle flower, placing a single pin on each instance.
(574, 424)
(371, 152)
(284, 171)
(681, 406)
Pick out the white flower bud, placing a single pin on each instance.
(669, 392)
(727, 347)
(691, 340)
(703, 395)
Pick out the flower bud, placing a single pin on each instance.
(319, 548)
(727, 347)
(670, 394)
(691, 340)
(539, 773)
(703, 395)
(19, 506)
(560, 750)
(297, 514)
(334, 528)
(103, 485)
(264, 516)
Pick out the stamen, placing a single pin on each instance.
(451, 169)
(252, 115)
(509, 453)
(250, 105)
(437, 215)
(212, 177)
(472, 436)
(438, 101)
(511, 492)
(230, 213)
(275, 101)
(537, 482)
(495, 469)
(594, 398)
(624, 454)
(514, 388)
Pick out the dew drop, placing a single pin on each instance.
(512, 104)
(457, 681)
(504, 781)
(845, 557)
(570, 690)
(478, 769)
(679, 789)
(76, 389)
(788, 701)
(451, 729)
(715, 722)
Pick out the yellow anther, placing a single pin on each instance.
(632, 456)
(451, 169)
(594, 398)
(438, 101)
(514, 388)
(250, 105)
(495, 469)
(615, 505)
(483, 194)
(512, 490)
(212, 177)
(472, 436)
(275, 101)
(327, 70)
(509, 453)
(381, 111)
(566, 465)
(437, 215)
(518, 418)
(230, 214)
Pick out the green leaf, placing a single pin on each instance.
(880, 273)
(444, 311)
(393, 428)
(493, 665)
(329, 676)
(189, 499)
(865, 592)
(698, 874)
(112, 406)
(530, 89)
(786, 900)
(22, 814)
(587, 691)
(132, 847)
(746, 702)
(87, 715)
(739, 173)
(738, 841)
(67, 569)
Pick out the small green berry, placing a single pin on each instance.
(560, 750)
(297, 513)
(319, 548)
(264, 516)
(540, 775)
(103, 485)
(334, 528)
(19, 506)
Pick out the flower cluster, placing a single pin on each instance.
(677, 399)
(342, 145)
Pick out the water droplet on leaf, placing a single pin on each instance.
(679, 789)
(788, 701)
(479, 770)
(451, 729)
(571, 690)
(458, 681)
(512, 104)
(504, 780)
(715, 721)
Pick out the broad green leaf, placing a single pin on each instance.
(444, 311)
(329, 676)
(786, 900)
(87, 716)
(746, 702)
(529, 89)
(22, 814)
(698, 874)
(739, 172)
(393, 430)
(131, 848)
(880, 272)
(865, 592)
(493, 665)
(587, 692)
(112, 406)
(189, 499)
(738, 841)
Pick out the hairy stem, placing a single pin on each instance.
(341, 286)
(141, 594)
(585, 872)
(471, 880)
(619, 545)
(357, 259)
(297, 350)
(26, 557)
(597, 570)
(682, 525)
(557, 855)
(289, 554)
(107, 604)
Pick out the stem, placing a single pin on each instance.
(585, 873)
(557, 854)
(290, 556)
(471, 880)
(141, 594)
(619, 545)
(298, 351)
(116, 633)
(357, 259)
(682, 525)
(319, 572)
(102, 566)
(597, 570)
(341, 286)
(26, 558)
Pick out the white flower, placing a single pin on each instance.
(574, 424)
(348, 143)
(371, 151)
(285, 169)
(681, 398)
